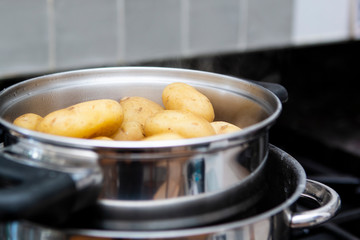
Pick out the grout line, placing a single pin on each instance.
(185, 26)
(354, 19)
(51, 32)
(243, 26)
(294, 24)
(121, 31)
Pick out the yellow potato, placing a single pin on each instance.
(181, 96)
(28, 121)
(129, 131)
(222, 127)
(163, 136)
(102, 138)
(183, 123)
(139, 109)
(84, 120)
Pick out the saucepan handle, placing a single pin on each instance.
(27, 190)
(328, 199)
(279, 90)
(1, 135)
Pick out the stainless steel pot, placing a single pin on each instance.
(190, 178)
(274, 221)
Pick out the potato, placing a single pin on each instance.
(222, 127)
(102, 138)
(163, 136)
(183, 123)
(139, 109)
(28, 121)
(129, 131)
(181, 96)
(84, 120)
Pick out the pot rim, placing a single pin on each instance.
(89, 144)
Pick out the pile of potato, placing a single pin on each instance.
(186, 113)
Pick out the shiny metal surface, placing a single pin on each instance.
(327, 198)
(196, 208)
(184, 172)
(272, 223)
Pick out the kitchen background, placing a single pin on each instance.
(53, 35)
(310, 47)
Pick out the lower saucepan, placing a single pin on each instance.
(276, 216)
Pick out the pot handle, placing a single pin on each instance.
(26, 191)
(328, 199)
(279, 90)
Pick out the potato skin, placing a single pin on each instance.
(183, 123)
(181, 96)
(84, 120)
(102, 138)
(28, 121)
(163, 136)
(222, 127)
(129, 131)
(139, 109)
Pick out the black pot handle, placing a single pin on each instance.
(1, 134)
(279, 90)
(29, 191)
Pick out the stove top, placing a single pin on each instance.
(335, 168)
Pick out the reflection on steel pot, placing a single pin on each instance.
(274, 219)
(163, 179)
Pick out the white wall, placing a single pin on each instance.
(53, 35)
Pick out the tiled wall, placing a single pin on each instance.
(38, 36)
